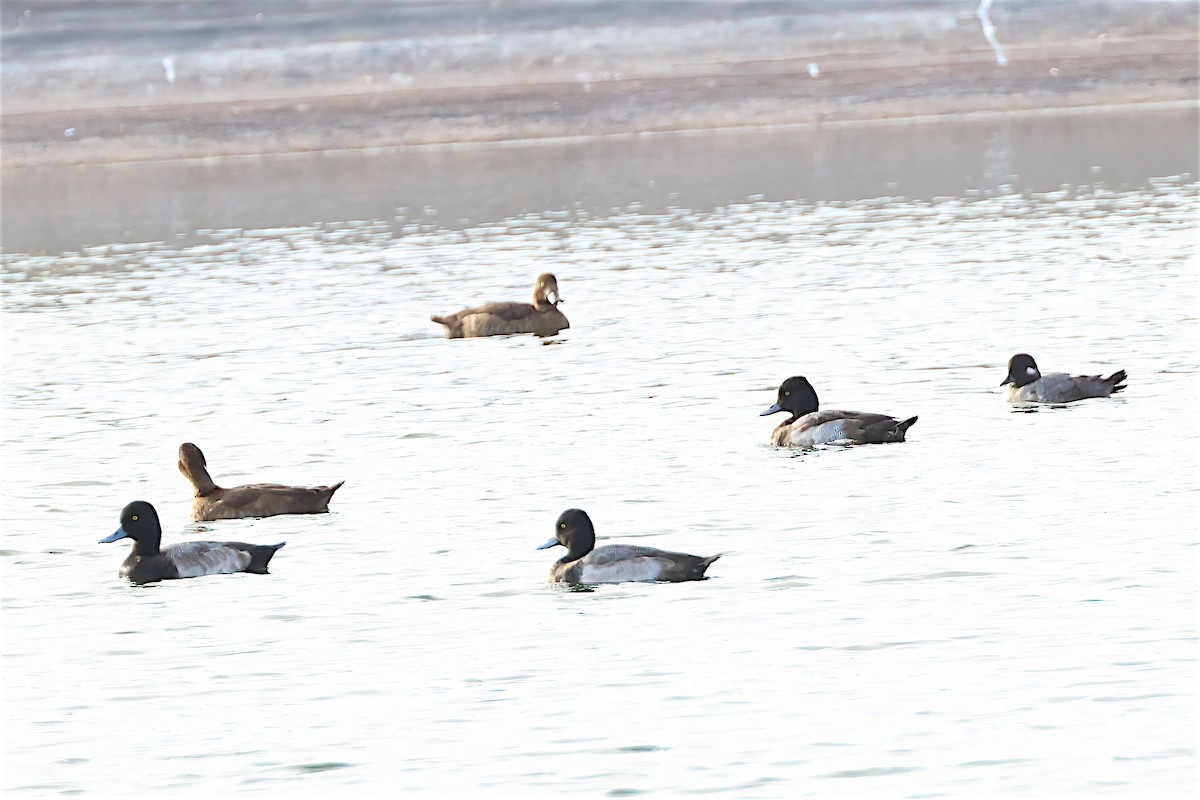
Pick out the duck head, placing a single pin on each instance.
(796, 396)
(139, 521)
(545, 292)
(1022, 371)
(194, 467)
(573, 530)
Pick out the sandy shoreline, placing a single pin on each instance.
(379, 81)
(1098, 109)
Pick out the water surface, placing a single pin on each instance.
(1003, 605)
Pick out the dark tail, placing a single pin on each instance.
(903, 427)
(335, 487)
(261, 556)
(697, 573)
(440, 320)
(1117, 379)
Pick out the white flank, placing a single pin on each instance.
(822, 434)
(194, 559)
(631, 570)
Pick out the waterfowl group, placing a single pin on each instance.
(807, 426)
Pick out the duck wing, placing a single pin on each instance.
(613, 553)
(818, 418)
(833, 425)
(625, 563)
(878, 428)
(1059, 387)
(509, 311)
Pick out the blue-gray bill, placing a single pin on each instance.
(775, 409)
(550, 543)
(119, 533)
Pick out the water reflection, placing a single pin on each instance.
(57, 209)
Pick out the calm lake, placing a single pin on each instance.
(1004, 605)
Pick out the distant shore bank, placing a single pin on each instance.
(364, 76)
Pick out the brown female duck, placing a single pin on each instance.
(253, 499)
(541, 317)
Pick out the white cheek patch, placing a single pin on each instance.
(1031, 371)
(552, 296)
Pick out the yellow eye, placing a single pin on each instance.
(135, 517)
(563, 525)
(785, 394)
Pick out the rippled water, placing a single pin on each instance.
(1003, 605)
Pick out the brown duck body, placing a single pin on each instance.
(213, 502)
(541, 317)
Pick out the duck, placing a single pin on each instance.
(148, 562)
(1026, 384)
(252, 500)
(541, 317)
(807, 427)
(615, 563)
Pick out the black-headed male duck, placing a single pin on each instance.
(149, 562)
(615, 563)
(809, 427)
